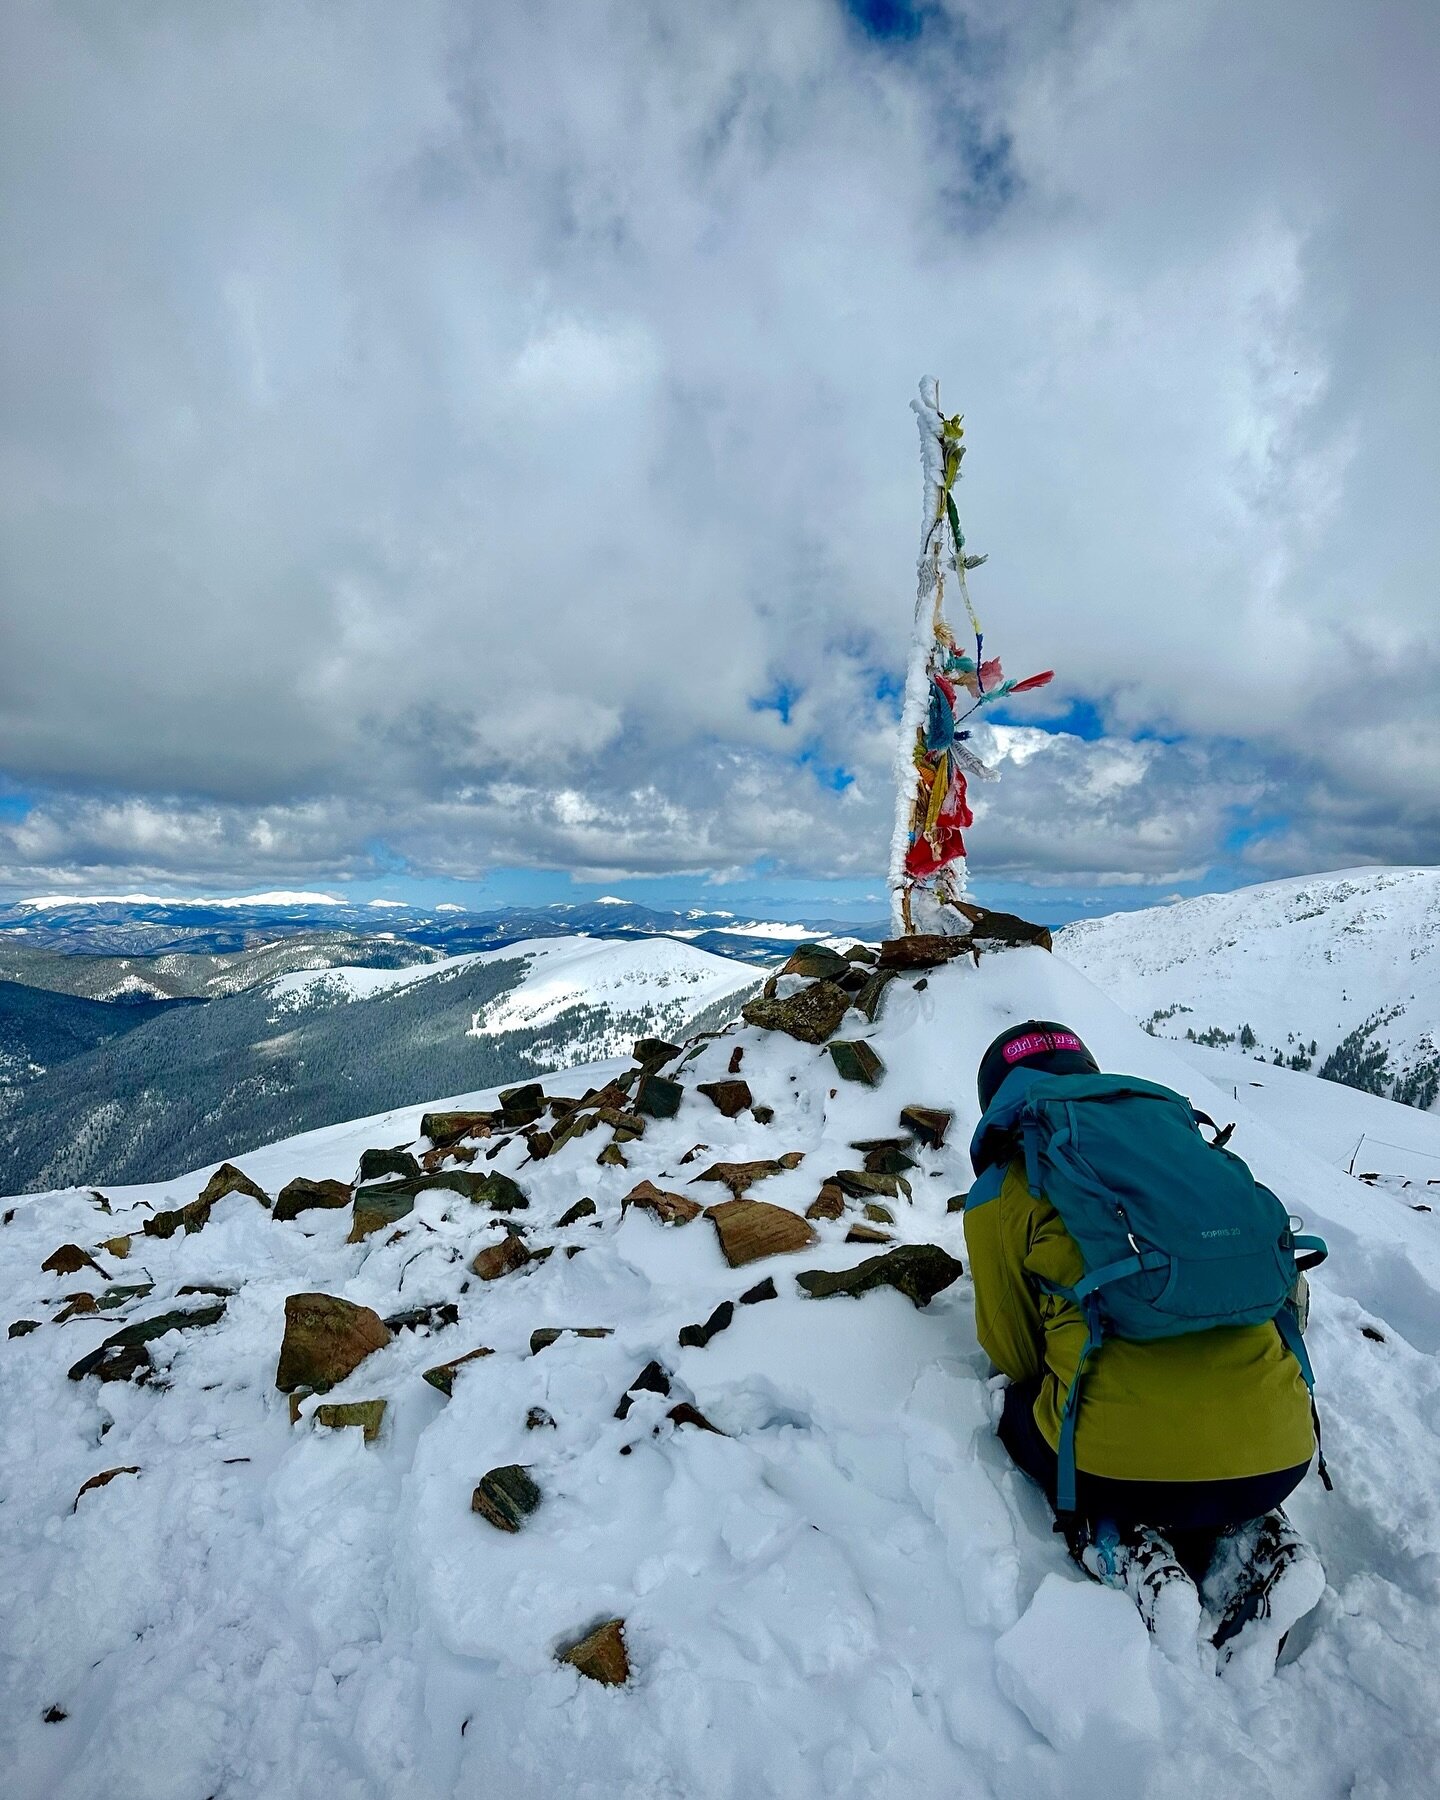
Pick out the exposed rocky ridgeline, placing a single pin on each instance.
(658, 1377)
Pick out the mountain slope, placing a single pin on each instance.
(1348, 963)
(211, 1081)
(848, 1593)
(202, 976)
(39, 1030)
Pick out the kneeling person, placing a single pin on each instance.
(1167, 1456)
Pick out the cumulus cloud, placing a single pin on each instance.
(453, 427)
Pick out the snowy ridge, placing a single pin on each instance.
(849, 1593)
(1310, 960)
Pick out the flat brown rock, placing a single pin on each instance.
(991, 927)
(738, 1176)
(301, 1195)
(228, 1179)
(829, 1203)
(601, 1654)
(928, 1123)
(446, 1128)
(866, 1234)
(70, 1259)
(669, 1209)
(442, 1376)
(496, 1260)
(750, 1229)
(325, 1339)
(923, 950)
(728, 1097)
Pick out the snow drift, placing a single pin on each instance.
(842, 1590)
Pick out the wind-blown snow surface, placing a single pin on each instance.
(1300, 960)
(850, 1593)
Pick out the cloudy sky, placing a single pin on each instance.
(465, 446)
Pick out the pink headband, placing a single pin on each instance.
(1035, 1041)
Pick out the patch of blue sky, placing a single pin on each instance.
(887, 21)
(1247, 827)
(780, 699)
(14, 804)
(1079, 717)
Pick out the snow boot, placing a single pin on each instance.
(1266, 1577)
(1141, 1562)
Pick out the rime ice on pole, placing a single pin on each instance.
(943, 688)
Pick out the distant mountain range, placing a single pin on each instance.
(1336, 974)
(192, 1083)
(140, 925)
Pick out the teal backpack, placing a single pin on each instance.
(1175, 1232)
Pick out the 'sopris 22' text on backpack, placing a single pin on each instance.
(1175, 1232)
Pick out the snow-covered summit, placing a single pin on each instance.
(1319, 959)
(843, 1590)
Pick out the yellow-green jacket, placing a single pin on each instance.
(1210, 1406)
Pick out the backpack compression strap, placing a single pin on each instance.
(1083, 1295)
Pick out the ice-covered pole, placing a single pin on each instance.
(944, 686)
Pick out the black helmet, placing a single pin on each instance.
(1037, 1044)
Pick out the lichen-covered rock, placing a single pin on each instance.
(325, 1340)
(374, 1209)
(816, 962)
(855, 1061)
(601, 1654)
(499, 1192)
(750, 1229)
(669, 1209)
(118, 1247)
(869, 997)
(303, 1195)
(442, 1376)
(582, 1209)
(23, 1328)
(369, 1415)
(446, 1128)
(506, 1497)
(886, 1157)
(810, 1016)
(919, 1271)
(125, 1355)
(730, 1098)
(190, 1218)
(877, 1214)
(657, 1097)
(228, 1179)
(376, 1165)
